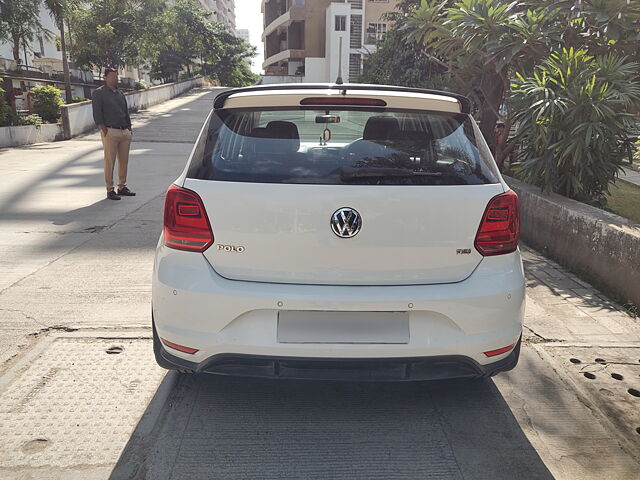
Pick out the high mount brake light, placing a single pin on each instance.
(343, 101)
(186, 225)
(499, 230)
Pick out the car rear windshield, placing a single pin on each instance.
(340, 147)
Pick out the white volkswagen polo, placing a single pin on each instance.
(339, 232)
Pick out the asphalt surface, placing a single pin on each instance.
(81, 397)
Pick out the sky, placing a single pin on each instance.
(248, 15)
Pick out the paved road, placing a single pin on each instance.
(80, 395)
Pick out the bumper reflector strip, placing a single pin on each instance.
(493, 353)
(180, 348)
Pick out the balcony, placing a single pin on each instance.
(283, 56)
(294, 14)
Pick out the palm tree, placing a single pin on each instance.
(19, 23)
(58, 9)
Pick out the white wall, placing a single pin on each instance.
(28, 134)
(315, 70)
(332, 51)
(78, 117)
(277, 79)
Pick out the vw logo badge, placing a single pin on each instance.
(346, 222)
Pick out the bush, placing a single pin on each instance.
(576, 118)
(33, 119)
(4, 108)
(47, 101)
(140, 86)
(79, 99)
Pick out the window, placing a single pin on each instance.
(356, 31)
(376, 33)
(362, 147)
(341, 23)
(355, 66)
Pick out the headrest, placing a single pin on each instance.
(258, 132)
(380, 128)
(410, 140)
(281, 129)
(276, 137)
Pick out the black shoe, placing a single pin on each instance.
(125, 192)
(113, 195)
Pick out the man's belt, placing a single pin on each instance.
(117, 128)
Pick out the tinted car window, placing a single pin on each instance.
(341, 147)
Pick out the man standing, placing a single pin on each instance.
(111, 114)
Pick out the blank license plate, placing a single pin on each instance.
(343, 327)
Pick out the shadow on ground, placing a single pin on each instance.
(231, 428)
(541, 271)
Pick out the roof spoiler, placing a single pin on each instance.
(465, 103)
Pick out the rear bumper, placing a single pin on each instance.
(195, 307)
(345, 369)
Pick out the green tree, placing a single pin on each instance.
(59, 9)
(575, 122)
(109, 32)
(47, 101)
(175, 39)
(19, 23)
(181, 37)
(600, 26)
(4, 106)
(475, 46)
(399, 61)
(226, 58)
(480, 43)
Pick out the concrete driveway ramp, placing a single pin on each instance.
(72, 405)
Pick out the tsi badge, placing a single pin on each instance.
(463, 251)
(231, 248)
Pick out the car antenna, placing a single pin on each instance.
(339, 79)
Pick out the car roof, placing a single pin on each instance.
(290, 94)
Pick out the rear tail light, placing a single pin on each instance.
(186, 225)
(499, 230)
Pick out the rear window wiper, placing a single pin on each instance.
(348, 173)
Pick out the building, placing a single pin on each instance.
(223, 11)
(302, 38)
(243, 33)
(41, 64)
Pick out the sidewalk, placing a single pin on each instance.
(630, 175)
(68, 255)
(563, 308)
